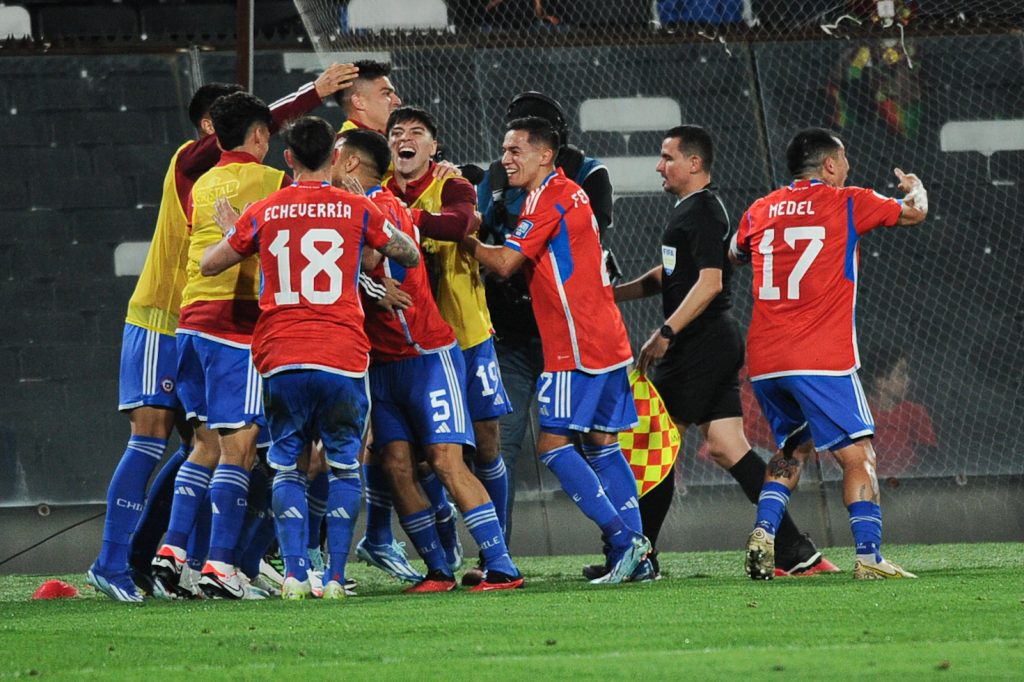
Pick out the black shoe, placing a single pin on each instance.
(595, 571)
(475, 575)
(143, 580)
(801, 553)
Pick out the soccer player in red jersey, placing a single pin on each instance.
(309, 344)
(801, 345)
(149, 353)
(584, 387)
(417, 381)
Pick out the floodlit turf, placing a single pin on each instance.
(964, 618)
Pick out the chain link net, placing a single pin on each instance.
(935, 88)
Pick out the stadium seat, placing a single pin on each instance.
(600, 143)
(81, 192)
(628, 114)
(15, 22)
(111, 226)
(88, 21)
(396, 14)
(633, 174)
(184, 22)
(102, 128)
(24, 130)
(13, 195)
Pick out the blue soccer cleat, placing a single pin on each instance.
(117, 587)
(390, 559)
(624, 566)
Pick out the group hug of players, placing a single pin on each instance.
(274, 309)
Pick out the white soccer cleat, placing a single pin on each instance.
(219, 580)
(335, 590)
(252, 592)
(296, 590)
(271, 573)
(264, 583)
(864, 569)
(316, 582)
(759, 561)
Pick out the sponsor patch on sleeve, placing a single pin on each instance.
(523, 228)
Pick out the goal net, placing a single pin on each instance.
(936, 88)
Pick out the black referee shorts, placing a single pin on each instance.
(698, 378)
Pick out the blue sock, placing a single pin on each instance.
(256, 503)
(494, 477)
(316, 499)
(229, 490)
(444, 517)
(343, 503)
(422, 530)
(866, 524)
(290, 512)
(190, 486)
(199, 538)
(262, 536)
(483, 524)
(125, 497)
(618, 481)
(378, 505)
(157, 512)
(771, 505)
(259, 540)
(580, 483)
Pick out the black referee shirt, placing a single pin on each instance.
(697, 237)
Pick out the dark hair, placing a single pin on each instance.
(807, 150)
(204, 98)
(694, 140)
(539, 131)
(533, 103)
(369, 70)
(235, 114)
(879, 362)
(371, 145)
(416, 114)
(311, 141)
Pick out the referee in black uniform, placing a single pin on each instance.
(697, 354)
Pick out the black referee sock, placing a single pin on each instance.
(654, 507)
(749, 473)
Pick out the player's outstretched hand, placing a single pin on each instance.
(913, 188)
(908, 181)
(334, 78)
(351, 184)
(395, 298)
(446, 169)
(224, 214)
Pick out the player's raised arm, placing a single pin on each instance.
(915, 201)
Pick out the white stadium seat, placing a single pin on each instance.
(633, 174)
(629, 114)
(15, 22)
(397, 14)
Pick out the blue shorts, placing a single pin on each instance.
(485, 392)
(833, 407)
(218, 384)
(306, 405)
(577, 401)
(420, 400)
(149, 365)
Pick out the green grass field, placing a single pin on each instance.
(963, 619)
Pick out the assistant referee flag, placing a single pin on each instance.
(652, 445)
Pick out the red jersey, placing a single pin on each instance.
(310, 237)
(419, 328)
(803, 243)
(580, 325)
(899, 433)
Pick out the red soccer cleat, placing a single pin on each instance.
(495, 580)
(436, 581)
(822, 565)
